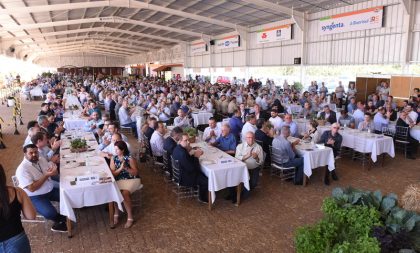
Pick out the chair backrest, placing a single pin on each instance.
(165, 159)
(15, 181)
(147, 145)
(278, 156)
(176, 172)
(401, 133)
(387, 131)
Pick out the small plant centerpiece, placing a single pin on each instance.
(78, 145)
(321, 121)
(192, 133)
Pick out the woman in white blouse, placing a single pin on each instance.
(313, 133)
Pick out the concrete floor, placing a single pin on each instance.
(263, 223)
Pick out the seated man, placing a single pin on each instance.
(34, 176)
(93, 107)
(50, 154)
(252, 155)
(182, 119)
(291, 124)
(265, 135)
(212, 132)
(413, 143)
(109, 151)
(328, 115)
(124, 115)
(226, 142)
(381, 119)
(93, 124)
(189, 167)
(169, 145)
(156, 142)
(275, 120)
(236, 124)
(112, 128)
(31, 132)
(346, 120)
(333, 140)
(366, 124)
(249, 126)
(288, 153)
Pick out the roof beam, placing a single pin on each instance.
(297, 16)
(90, 45)
(81, 49)
(118, 3)
(112, 19)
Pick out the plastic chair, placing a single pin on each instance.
(181, 191)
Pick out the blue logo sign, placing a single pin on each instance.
(227, 43)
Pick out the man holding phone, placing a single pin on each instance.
(34, 176)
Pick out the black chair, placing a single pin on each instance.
(401, 139)
(181, 191)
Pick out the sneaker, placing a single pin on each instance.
(60, 227)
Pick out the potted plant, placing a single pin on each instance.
(192, 133)
(321, 121)
(78, 145)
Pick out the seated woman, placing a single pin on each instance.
(312, 134)
(124, 169)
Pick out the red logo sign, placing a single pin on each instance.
(264, 36)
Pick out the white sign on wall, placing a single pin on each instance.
(274, 34)
(352, 21)
(228, 42)
(198, 47)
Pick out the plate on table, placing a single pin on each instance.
(208, 162)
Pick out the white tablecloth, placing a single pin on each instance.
(365, 142)
(303, 125)
(72, 120)
(221, 176)
(201, 118)
(37, 92)
(293, 108)
(71, 100)
(314, 156)
(78, 196)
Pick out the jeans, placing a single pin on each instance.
(17, 244)
(298, 164)
(133, 126)
(43, 206)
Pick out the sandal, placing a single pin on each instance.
(129, 223)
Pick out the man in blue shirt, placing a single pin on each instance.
(226, 142)
(236, 124)
(94, 108)
(351, 107)
(287, 151)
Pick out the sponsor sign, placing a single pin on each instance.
(274, 34)
(228, 42)
(198, 47)
(352, 21)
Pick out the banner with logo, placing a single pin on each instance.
(274, 34)
(228, 42)
(199, 47)
(352, 21)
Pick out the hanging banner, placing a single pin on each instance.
(198, 47)
(352, 21)
(228, 42)
(274, 34)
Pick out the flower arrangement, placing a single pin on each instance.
(78, 145)
(192, 133)
(74, 107)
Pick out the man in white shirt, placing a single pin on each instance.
(411, 114)
(212, 132)
(249, 126)
(41, 141)
(124, 115)
(31, 132)
(182, 120)
(275, 120)
(109, 151)
(34, 177)
(156, 142)
(93, 124)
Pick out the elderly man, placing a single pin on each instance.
(156, 142)
(226, 142)
(34, 176)
(169, 145)
(189, 167)
(44, 123)
(413, 143)
(288, 153)
(31, 132)
(182, 119)
(124, 115)
(252, 155)
(333, 140)
(93, 124)
(291, 124)
(212, 132)
(249, 126)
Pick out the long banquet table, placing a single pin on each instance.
(77, 194)
(221, 173)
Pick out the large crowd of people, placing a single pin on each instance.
(259, 117)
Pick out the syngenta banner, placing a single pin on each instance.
(352, 21)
